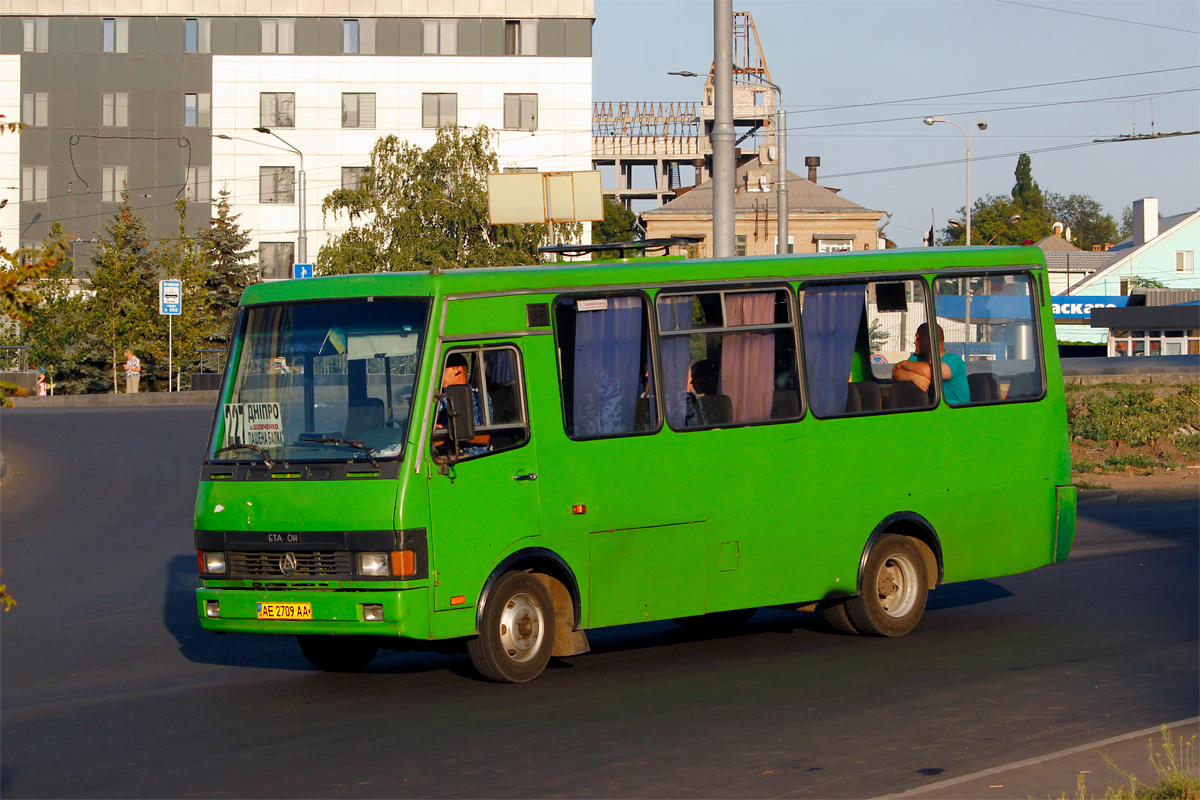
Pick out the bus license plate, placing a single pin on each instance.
(285, 611)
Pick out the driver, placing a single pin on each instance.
(455, 374)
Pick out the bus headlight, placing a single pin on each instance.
(212, 563)
(373, 564)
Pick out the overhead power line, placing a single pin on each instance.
(1097, 16)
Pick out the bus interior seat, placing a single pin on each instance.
(641, 414)
(868, 396)
(853, 399)
(906, 394)
(714, 409)
(362, 416)
(785, 404)
(983, 387)
(1025, 384)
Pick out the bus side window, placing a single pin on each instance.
(494, 375)
(728, 358)
(855, 335)
(608, 386)
(989, 324)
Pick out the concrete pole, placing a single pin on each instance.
(302, 244)
(724, 169)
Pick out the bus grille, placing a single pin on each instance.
(308, 565)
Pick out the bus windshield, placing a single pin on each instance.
(322, 381)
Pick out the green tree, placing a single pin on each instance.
(122, 312)
(1126, 228)
(1085, 217)
(427, 209)
(991, 223)
(618, 225)
(54, 328)
(1146, 283)
(1026, 192)
(233, 267)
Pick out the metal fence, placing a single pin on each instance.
(14, 359)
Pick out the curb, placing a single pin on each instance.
(1149, 494)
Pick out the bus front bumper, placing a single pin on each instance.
(405, 611)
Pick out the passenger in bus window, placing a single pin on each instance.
(917, 370)
(455, 373)
(704, 401)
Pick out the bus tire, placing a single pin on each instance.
(892, 596)
(516, 630)
(338, 653)
(719, 623)
(837, 618)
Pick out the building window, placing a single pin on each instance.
(353, 177)
(439, 37)
(520, 112)
(197, 35)
(358, 110)
(35, 108)
(520, 37)
(739, 245)
(438, 110)
(1183, 262)
(791, 244)
(358, 36)
(277, 109)
(277, 185)
(197, 110)
(33, 184)
(834, 245)
(114, 109)
(116, 35)
(112, 183)
(278, 36)
(199, 183)
(36, 38)
(275, 259)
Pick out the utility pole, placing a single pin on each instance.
(724, 170)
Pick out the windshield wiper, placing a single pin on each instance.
(329, 440)
(254, 447)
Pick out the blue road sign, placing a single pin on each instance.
(170, 298)
(301, 270)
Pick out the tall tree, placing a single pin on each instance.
(233, 266)
(1026, 191)
(427, 209)
(991, 223)
(122, 311)
(54, 328)
(618, 225)
(1085, 217)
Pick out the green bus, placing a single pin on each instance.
(506, 458)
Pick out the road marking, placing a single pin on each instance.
(930, 787)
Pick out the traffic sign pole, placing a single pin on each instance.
(170, 304)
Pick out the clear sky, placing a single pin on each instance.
(885, 56)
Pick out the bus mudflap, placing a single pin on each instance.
(1065, 501)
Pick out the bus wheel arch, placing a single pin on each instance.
(559, 580)
(915, 527)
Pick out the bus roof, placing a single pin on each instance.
(589, 274)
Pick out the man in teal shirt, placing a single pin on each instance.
(917, 370)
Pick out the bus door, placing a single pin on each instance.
(487, 496)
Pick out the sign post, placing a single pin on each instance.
(170, 304)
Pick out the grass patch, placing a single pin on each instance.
(1084, 485)
(1138, 417)
(1175, 774)
(1134, 460)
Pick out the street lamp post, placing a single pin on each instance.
(983, 127)
(302, 239)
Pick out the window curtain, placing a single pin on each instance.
(608, 367)
(675, 314)
(832, 315)
(748, 359)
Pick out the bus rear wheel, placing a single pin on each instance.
(338, 653)
(894, 587)
(516, 630)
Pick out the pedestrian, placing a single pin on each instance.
(41, 382)
(133, 372)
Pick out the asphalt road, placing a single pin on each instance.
(109, 688)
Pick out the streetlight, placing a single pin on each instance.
(781, 190)
(983, 127)
(302, 240)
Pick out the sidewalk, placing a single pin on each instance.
(207, 398)
(1056, 774)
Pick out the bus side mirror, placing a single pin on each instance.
(460, 413)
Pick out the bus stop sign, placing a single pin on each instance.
(302, 270)
(170, 298)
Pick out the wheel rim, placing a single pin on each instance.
(897, 586)
(521, 626)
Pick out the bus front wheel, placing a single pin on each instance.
(338, 653)
(892, 597)
(516, 631)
